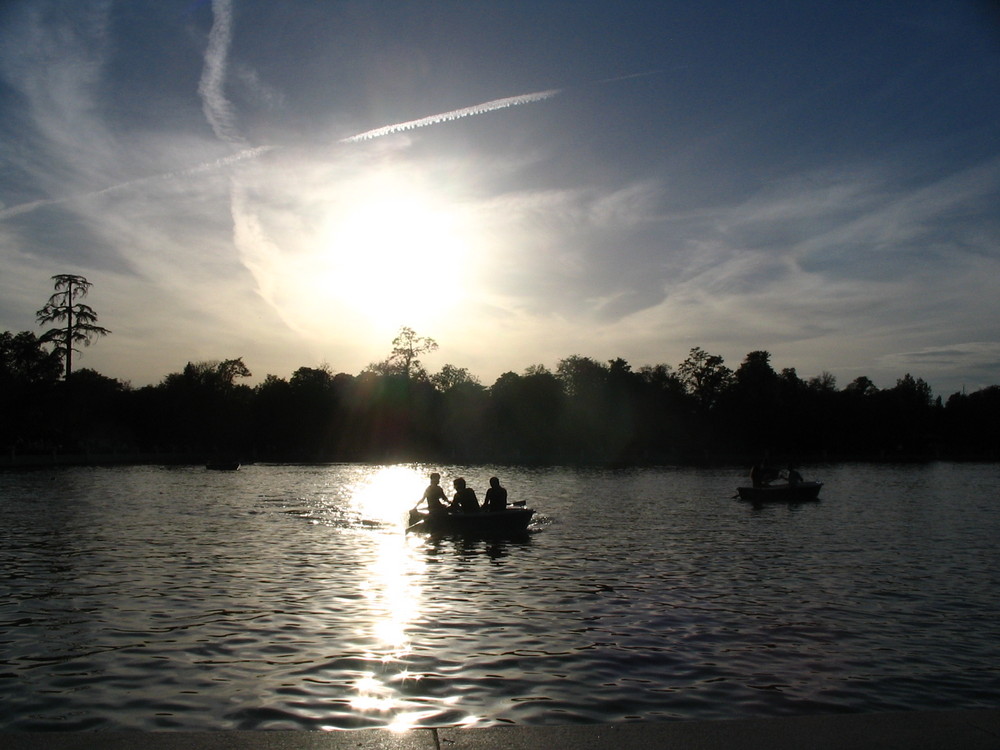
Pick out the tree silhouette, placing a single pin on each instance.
(705, 376)
(403, 360)
(451, 377)
(81, 320)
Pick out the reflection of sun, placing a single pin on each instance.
(391, 586)
(394, 250)
(394, 597)
(391, 583)
(388, 493)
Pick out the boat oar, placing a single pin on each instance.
(409, 515)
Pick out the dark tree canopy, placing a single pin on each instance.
(582, 411)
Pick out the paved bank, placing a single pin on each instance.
(911, 730)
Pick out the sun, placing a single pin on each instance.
(396, 252)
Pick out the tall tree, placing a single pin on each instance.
(80, 319)
(404, 358)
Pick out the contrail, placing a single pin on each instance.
(630, 76)
(249, 153)
(218, 111)
(219, 114)
(455, 114)
(253, 153)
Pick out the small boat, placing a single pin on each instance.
(783, 493)
(513, 521)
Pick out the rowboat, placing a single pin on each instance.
(508, 522)
(783, 493)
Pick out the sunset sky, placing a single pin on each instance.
(290, 182)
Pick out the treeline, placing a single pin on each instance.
(581, 412)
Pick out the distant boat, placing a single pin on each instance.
(783, 493)
(223, 466)
(508, 522)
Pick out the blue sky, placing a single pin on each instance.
(538, 179)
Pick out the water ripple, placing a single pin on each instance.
(288, 597)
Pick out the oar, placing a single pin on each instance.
(409, 515)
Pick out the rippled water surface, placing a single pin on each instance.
(289, 597)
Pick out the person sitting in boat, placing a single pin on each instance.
(793, 476)
(762, 475)
(496, 497)
(464, 500)
(434, 496)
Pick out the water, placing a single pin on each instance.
(289, 597)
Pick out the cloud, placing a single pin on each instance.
(970, 365)
(56, 72)
(211, 88)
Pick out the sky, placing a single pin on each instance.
(292, 182)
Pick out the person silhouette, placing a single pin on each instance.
(434, 496)
(793, 476)
(496, 497)
(464, 500)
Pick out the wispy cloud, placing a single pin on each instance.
(217, 108)
(220, 115)
(209, 166)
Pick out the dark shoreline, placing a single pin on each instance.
(905, 730)
(56, 459)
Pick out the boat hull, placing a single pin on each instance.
(781, 493)
(509, 522)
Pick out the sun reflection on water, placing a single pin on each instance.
(392, 586)
(388, 493)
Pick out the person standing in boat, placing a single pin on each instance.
(464, 500)
(496, 497)
(434, 496)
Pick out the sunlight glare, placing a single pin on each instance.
(396, 251)
(391, 584)
(387, 494)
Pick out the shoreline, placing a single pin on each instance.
(977, 729)
(154, 458)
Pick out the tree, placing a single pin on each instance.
(451, 377)
(705, 376)
(752, 403)
(825, 382)
(204, 407)
(23, 360)
(81, 320)
(27, 375)
(525, 416)
(209, 376)
(862, 386)
(403, 359)
(536, 369)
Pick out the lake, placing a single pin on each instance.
(290, 597)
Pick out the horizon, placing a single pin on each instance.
(292, 184)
